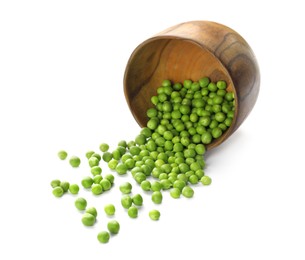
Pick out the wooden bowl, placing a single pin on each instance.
(193, 50)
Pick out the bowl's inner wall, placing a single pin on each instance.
(168, 58)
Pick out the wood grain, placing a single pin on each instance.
(193, 50)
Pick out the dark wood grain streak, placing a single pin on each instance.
(192, 50)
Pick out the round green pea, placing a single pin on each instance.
(89, 154)
(187, 192)
(97, 179)
(104, 147)
(107, 156)
(62, 155)
(74, 161)
(175, 193)
(157, 197)
(96, 189)
(154, 214)
(146, 185)
(80, 203)
(180, 184)
(109, 177)
(121, 169)
(88, 219)
(58, 191)
(93, 161)
(96, 170)
(206, 180)
(55, 183)
(65, 185)
(106, 184)
(156, 186)
(103, 237)
(133, 212)
(87, 182)
(92, 211)
(113, 227)
(125, 188)
(74, 189)
(126, 201)
(137, 200)
(109, 209)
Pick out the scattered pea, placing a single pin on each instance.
(106, 184)
(133, 212)
(154, 214)
(137, 200)
(97, 189)
(92, 211)
(58, 191)
(206, 180)
(88, 219)
(126, 188)
(74, 189)
(113, 227)
(74, 161)
(87, 182)
(96, 170)
(175, 193)
(157, 197)
(126, 201)
(80, 203)
(187, 192)
(104, 147)
(103, 237)
(109, 209)
(55, 183)
(62, 155)
(65, 185)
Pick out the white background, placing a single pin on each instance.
(61, 71)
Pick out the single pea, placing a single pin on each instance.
(107, 156)
(216, 132)
(126, 201)
(146, 185)
(74, 161)
(74, 189)
(89, 154)
(175, 193)
(154, 214)
(221, 84)
(156, 186)
(62, 155)
(92, 211)
(187, 192)
(212, 87)
(65, 185)
(193, 179)
(104, 147)
(157, 197)
(96, 170)
(58, 191)
(96, 155)
(133, 212)
(55, 183)
(199, 173)
(154, 100)
(93, 161)
(88, 219)
(200, 149)
(103, 237)
(87, 182)
(113, 227)
(206, 180)
(204, 82)
(80, 203)
(109, 177)
(97, 179)
(112, 164)
(166, 184)
(139, 177)
(121, 169)
(116, 155)
(125, 188)
(180, 184)
(109, 209)
(137, 200)
(106, 184)
(96, 189)
(206, 138)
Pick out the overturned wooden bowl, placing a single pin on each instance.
(193, 50)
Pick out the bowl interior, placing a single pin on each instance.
(170, 58)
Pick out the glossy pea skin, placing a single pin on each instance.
(88, 219)
(96, 189)
(157, 197)
(109, 177)
(107, 156)
(74, 189)
(89, 154)
(62, 155)
(93, 161)
(104, 147)
(106, 184)
(126, 201)
(109, 209)
(156, 186)
(65, 185)
(125, 188)
(175, 193)
(96, 170)
(187, 192)
(97, 179)
(137, 200)
(154, 214)
(92, 211)
(80, 203)
(206, 180)
(133, 212)
(103, 237)
(87, 182)
(58, 191)
(146, 185)
(113, 227)
(74, 161)
(55, 183)
(121, 169)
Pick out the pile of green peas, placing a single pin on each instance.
(167, 154)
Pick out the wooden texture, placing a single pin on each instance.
(193, 50)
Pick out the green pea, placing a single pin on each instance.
(146, 185)
(206, 138)
(139, 177)
(180, 184)
(88, 219)
(112, 164)
(55, 183)
(106, 184)
(206, 180)
(109, 177)
(157, 197)
(113, 227)
(125, 188)
(80, 203)
(156, 186)
(89, 154)
(187, 192)
(93, 161)
(137, 200)
(104, 147)
(65, 185)
(96, 170)
(135, 150)
(133, 212)
(92, 211)
(74, 189)
(121, 169)
(204, 82)
(74, 161)
(107, 156)
(96, 189)
(221, 84)
(175, 193)
(97, 179)
(126, 201)
(116, 155)
(166, 184)
(103, 237)
(96, 155)
(193, 179)
(62, 155)
(58, 191)
(87, 182)
(154, 214)
(109, 209)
